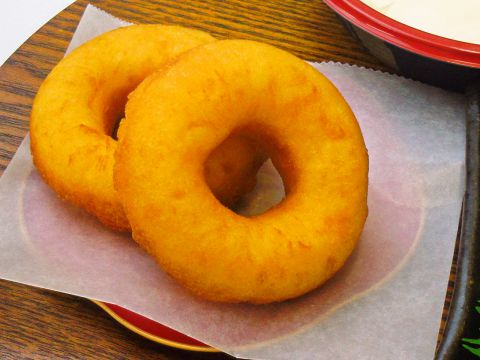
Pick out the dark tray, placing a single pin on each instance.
(461, 339)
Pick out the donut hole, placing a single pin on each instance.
(251, 182)
(268, 192)
(114, 111)
(116, 126)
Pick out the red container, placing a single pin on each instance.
(414, 53)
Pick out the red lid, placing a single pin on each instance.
(405, 36)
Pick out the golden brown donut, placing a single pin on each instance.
(81, 100)
(313, 139)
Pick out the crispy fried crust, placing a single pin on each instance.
(314, 140)
(83, 97)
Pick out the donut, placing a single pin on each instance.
(80, 102)
(248, 89)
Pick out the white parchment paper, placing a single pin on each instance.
(385, 303)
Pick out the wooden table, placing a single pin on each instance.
(42, 324)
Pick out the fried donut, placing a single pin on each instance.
(79, 103)
(313, 139)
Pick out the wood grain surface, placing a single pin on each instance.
(40, 324)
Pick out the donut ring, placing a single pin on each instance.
(312, 137)
(79, 103)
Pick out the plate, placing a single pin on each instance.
(153, 330)
(411, 52)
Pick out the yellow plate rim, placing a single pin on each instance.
(149, 336)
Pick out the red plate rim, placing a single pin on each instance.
(407, 37)
(152, 330)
